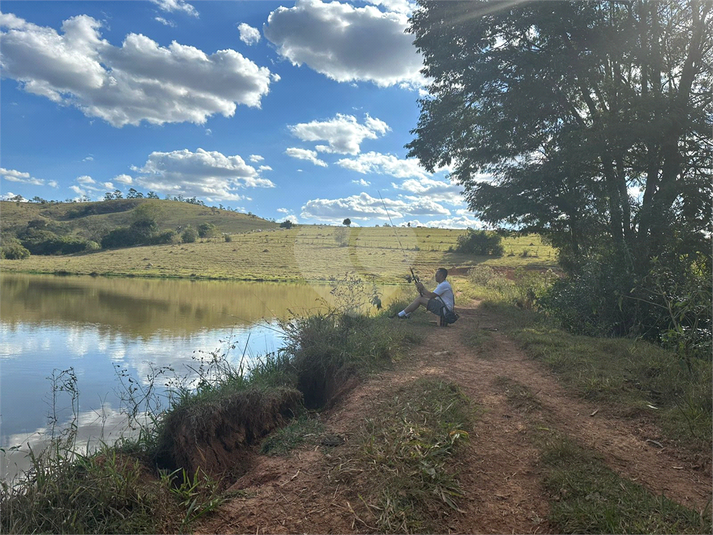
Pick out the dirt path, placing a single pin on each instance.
(498, 469)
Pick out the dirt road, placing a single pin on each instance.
(499, 468)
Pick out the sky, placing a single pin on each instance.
(287, 110)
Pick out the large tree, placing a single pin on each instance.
(589, 121)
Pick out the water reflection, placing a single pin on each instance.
(95, 325)
(140, 307)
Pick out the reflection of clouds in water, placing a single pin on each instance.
(15, 343)
(103, 425)
(80, 339)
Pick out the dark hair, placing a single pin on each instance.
(444, 271)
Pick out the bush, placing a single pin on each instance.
(189, 235)
(287, 224)
(207, 230)
(13, 250)
(45, 242)
(119, 237)
(480, 242)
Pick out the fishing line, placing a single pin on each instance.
(391, 222)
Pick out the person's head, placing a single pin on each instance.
(441, 274)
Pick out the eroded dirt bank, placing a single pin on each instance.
(498, 469)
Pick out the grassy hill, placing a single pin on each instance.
(92, 220)
(309, 252)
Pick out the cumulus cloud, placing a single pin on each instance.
(438, 190)
(361, 182)
(124, 179)
(176, 6)
(138, 81)
(12, 175)
(384, 164)
(248, 35)
(86, 179)
(343, 134)
(451, 222)
(205, 174)
(305, 154)
(10, 196)
(364, 206)
(256, 158)
(347, 43)
(398, 6)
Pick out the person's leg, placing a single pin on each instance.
(414, 305)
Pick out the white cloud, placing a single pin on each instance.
(209, 175)
(452, 222)
(108, 185)
(364, 206)
(399, 6)
(165, 22)
(305, 154)
(88, 159)
(384, 164)
(10, 196)
(138, 81)
(86, 179)
(256, 158)
(12, 175)
(124, 179)
(437, 190)
(343, 134)
(79, 191)
(248, 35)
(180, 6)
(264, 168)
(346, 43)
(283, 211)
(361, 182)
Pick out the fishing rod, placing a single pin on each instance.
(413, 275)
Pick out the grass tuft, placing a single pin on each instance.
(406, 452)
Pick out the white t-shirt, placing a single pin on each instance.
(445, 292)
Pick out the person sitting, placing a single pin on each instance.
(435, 300)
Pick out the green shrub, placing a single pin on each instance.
(119, 237)
(207, 230)
(13, 250)
(189, 235)
(480, 242)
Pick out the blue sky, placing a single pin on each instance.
(296, 110)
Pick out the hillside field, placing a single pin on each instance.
(311, 253)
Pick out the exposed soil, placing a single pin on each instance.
(498, 469)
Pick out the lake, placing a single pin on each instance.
(103, 327)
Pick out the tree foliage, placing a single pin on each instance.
(588, 122)
(594, 118)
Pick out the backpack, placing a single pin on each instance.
(449, 316)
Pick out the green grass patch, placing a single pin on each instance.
(634, 377)
(305, 429)
(587, 497)
(406, 452)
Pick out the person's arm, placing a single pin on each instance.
(425, 293)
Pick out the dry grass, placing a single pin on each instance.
(311, 253)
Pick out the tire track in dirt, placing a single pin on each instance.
(498, 468)
(622, 442)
